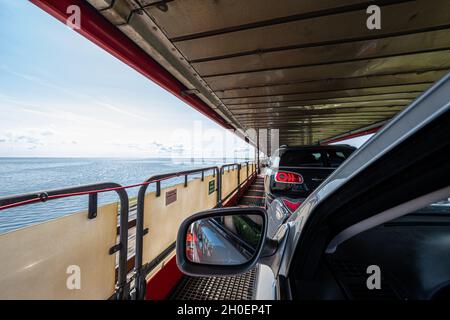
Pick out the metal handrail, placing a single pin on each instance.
(239, 184)
(122, 289)
(238, 187)
(92, 190)
(140, 270)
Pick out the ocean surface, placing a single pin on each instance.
(24, 175)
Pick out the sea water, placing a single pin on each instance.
(25, 175)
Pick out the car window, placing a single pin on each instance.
(437, 208)
(336, 157)
(301, 158)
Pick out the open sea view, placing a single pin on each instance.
(24, 175)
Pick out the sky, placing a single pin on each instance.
(62, 96)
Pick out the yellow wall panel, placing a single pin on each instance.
(34, 260)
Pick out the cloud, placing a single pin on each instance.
(177, 149)
(156, 145)
(24, 76)
(47, 133)
(18, 102)
(121, 111)
(39, 80)
(22, 138)
(27, 139)
(152, 147)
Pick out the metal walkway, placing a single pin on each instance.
(241, 287)
(254, 196)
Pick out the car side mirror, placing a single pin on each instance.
(223, 241)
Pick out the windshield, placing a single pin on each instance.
(301, 158)
(332, 157)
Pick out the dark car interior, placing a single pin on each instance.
(336, 157)
(331, 156)
(301, 158)
(412, 252)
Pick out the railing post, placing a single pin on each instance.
(122, 283)
(247, 169)
(92, 205)
(257, 150)
(219, 187)
(238, 181)
(158, 188)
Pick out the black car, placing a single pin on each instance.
(293, 173)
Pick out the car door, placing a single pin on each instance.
(404, 168)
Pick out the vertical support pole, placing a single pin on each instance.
(92, 206)
(257, 151)
(238, 182)
(158, 188)
(219, 187)
(123, 288)
(247, 169)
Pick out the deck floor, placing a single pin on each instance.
(239, 287)
(254, 195)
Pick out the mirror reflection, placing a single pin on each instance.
(224, 240)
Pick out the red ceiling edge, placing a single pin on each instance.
(352, 135)
(99, 30)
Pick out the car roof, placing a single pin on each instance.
(317, 147)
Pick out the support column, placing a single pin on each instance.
(257, 151)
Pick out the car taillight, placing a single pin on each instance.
(288, 177)
(190, 254)
(292, 206)
(190, 239)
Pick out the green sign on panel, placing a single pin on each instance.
(211, 186)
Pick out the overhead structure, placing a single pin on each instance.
(312, 69)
